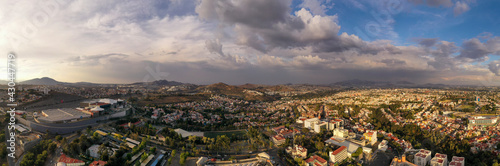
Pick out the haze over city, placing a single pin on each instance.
(250, 83)
(311, 41)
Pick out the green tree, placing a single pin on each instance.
(357, 153)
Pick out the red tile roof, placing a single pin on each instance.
(279, 137)
(66, 159)
(97, 163)
(338, 150)
(321, 160)
(309, 160)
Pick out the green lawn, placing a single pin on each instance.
(214, 134)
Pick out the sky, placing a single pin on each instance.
(453, 42)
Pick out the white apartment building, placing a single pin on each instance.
(422, 158)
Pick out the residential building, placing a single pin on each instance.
(320, 125)
(457, 161)
(335, 123)
(422, 157)
(340, 132)
(338, 155)
(401, 162)
(351, 147)
(383, 145)
(439, 160)
(278, 140)
(297, 151)
(371, 137)
(316, 161)
(309, 123)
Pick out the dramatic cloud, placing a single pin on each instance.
(473, 49)
(315, 6)
(494, 67)
(427, 42)
(256, 41)
(255, 29)
(214, 46)
(393, 62)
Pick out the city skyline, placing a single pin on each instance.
(311, 41)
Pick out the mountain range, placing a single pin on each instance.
(222, 86)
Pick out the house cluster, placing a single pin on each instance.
(423, 157)
(282, 133)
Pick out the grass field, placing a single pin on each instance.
(214, 134)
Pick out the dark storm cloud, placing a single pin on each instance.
(473, 49)
(445, 49)
(214, 46)
(427, 42)
(265, 25)
(204, 73)
(393, 62)
(253, 13)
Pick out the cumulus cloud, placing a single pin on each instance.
(214, 46)
(274, 44)
(460, 7)
(254, 28)
(316, 6)
(393, 62)
(473, 49)
(427, 42)
(494, 67)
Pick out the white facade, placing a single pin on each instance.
(309, 123)
(383, 145)
(439, 160)
(320, 125)
(422, 158)
(340, 132)
(338, 155)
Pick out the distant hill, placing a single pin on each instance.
(366, 83)
(246, 92)
(41, 81)
(221, 88)
(166, 83)
(357, 82)
(160, 83)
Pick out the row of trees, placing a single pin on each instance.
(39, 153)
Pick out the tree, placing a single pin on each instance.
(173, 153)
(357, 153)
(152, 150)
(103, 152)
(28, 159)
(183, 157)
(305, 130)
(222, 142)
